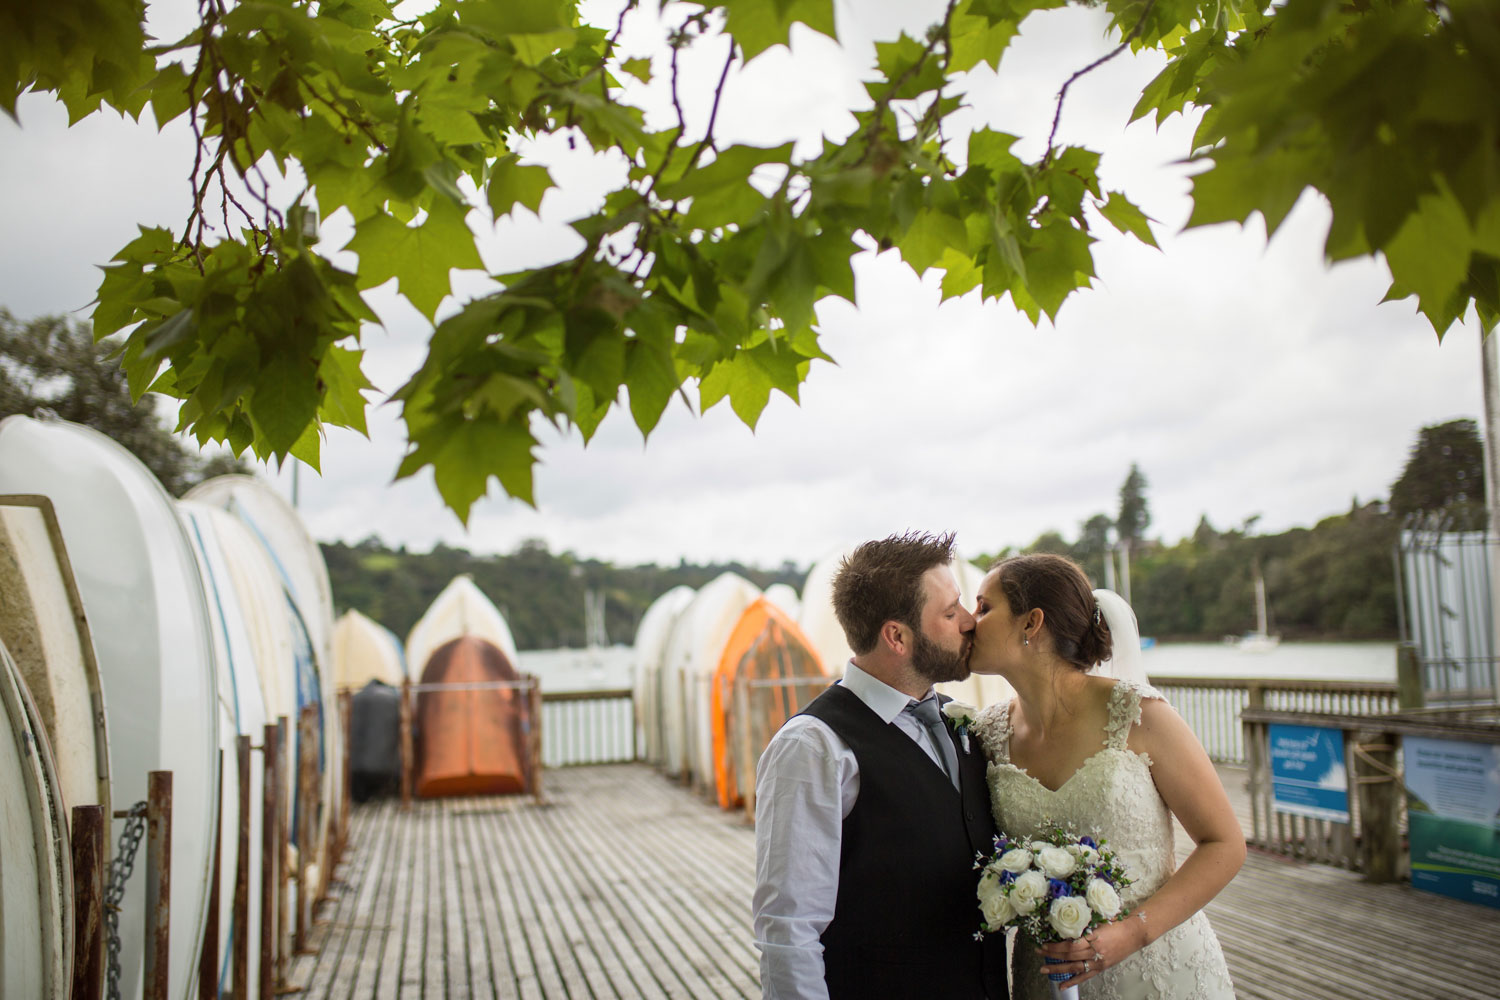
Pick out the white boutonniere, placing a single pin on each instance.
(960, 717)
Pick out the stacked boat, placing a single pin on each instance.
(475, 714)
(369, 664)
(717, 671)
(150, 635)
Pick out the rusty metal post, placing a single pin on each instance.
(239, 975)
(158, 884)
(408, 762)
(283, 845)
(208, 952)
(88, 902)
(270, 809)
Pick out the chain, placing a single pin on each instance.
(114, 893)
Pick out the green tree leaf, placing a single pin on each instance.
(512, 184)
(418, 256)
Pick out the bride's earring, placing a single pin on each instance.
(1025, 640)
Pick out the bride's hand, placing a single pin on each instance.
(1102, 948)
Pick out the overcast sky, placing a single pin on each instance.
(1244, 378)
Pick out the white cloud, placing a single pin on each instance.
(1244, 378)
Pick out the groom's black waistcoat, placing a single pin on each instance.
(906, 915)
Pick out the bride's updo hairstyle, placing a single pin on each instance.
(1058, 586)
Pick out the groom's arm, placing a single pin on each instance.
(806, 783)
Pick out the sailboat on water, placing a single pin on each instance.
(1260, 640)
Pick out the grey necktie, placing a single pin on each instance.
(928, 713)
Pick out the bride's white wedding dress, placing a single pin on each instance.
(1110, 796)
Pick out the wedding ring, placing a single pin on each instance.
(1085, 965)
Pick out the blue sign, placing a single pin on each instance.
(1308, 776)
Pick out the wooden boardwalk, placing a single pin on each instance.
(625, 885)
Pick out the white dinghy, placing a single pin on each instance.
(784, 596)
(219, 541)
(36, 877)
(817, 620)
(693, 652)
(299, 563)
(650, 646)
(460, 609)
(365, 650)
(43, 624)
(146, 608)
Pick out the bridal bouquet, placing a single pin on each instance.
(1052, 887)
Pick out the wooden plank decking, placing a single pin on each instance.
(625, 885)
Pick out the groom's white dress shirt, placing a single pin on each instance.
(806, 783)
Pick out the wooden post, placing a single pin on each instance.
(306, 822)
(284, 806)
(1410, 692)
(158, 884)
(208, 953)
(269, 846)
(346, 798)
(1254, 762)
(534, 740)
(239, 963)
(745, 773)
(88, 902)
(1375, 776)
(408, 762)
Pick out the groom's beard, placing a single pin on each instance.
(938, 665)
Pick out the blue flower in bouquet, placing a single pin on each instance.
(1057, 888)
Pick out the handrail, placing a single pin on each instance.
(1268, 683)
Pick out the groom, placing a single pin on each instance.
(869, 810)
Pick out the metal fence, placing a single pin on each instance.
(587, 727)
(1446, 612)
(1212, 705)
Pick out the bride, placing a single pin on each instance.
(1101, 753)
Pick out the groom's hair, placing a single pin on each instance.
(881, 581)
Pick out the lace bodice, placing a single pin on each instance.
(1111, 797)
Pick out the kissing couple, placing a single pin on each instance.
(872, 804)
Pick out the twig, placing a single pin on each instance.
(1063, 93)
(883, 104)
(713, 114)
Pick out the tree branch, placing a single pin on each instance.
(1063, 93)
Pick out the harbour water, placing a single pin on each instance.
(610, 667)
(1312, 661)
(601, 668)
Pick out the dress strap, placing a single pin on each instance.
(993, 729)
(1124, 712)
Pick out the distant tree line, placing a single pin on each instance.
(541, 593)
(1335, 580)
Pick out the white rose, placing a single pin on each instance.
(1103, 898)
(1056, 862)
(1074, 849)
(1087, 854)
(1038, 846)
(1069, 916)
(1016, 860)
(960, 712)
(1027, 891)
(994, 904)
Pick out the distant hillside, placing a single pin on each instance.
(540, 593)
